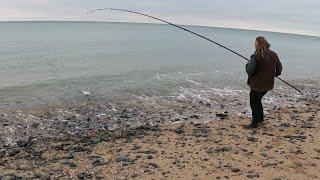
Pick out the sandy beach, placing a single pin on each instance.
(287, 146)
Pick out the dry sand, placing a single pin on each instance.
(286, 146)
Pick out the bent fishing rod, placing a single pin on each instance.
(187, 30)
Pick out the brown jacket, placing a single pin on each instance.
(262, 71)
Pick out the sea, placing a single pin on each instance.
(49, 62)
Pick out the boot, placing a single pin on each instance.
(251, 126)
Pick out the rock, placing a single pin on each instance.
(12, 151)
(23, 143)
(234, 169)
(286, 125)
(134, 175)
(154, 165)
(150, 156)
(194, 116)
(84, 175)
(136, 147)
(93, 141)
(269, 146)
(98, 162)
(35, 124)
(252, 139)
(308, 126)
(122, 158)
(10, 176)
(218, 150)
(179, 130)
(45, 177)
(149, 151)
(175, 120)
(127, 114)
(252, 175)
(264, 154)
(80, 148)
(295, 137)
(176, 161)
(2, 152)
(222, 115)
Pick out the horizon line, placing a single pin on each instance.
(151, 23)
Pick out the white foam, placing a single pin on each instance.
(227, 92)
(113, 107)
(100, 115)
(182, 97)
(86, 92)
(194, 94)
(193, 82)
(160, 76)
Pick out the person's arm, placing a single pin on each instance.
(251, 66)
(278, 68)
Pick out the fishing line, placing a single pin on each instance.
(187, 30)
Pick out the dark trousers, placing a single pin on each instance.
(256, 106)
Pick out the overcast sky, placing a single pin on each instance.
(291, 16)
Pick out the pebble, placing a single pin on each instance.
(98, 162)
(121, 158)
(194, 116)
(252, 175)
(154, 165)
(84, 175)
(126, 114)
(222, 115)
(12, 151)
(252, 139)
(234, 169)
(219, 149)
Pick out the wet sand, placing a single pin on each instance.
(286, 146)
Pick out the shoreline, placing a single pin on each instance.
(285, 147)
(93, 113)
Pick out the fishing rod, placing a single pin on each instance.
(187, 30)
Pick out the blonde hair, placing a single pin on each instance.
(262, 46)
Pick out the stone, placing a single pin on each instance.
(70, 164)
(252, 139)
(194, 116)
(13, 151)
(235, 169)
(175, 120)
(22, 143)
(252, 175)
(84, 175)
(218, 150)
(126, 114)
(121, 158)
(45, 177)
(222, 115)
(154, 165)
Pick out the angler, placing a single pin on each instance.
(263, 67)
